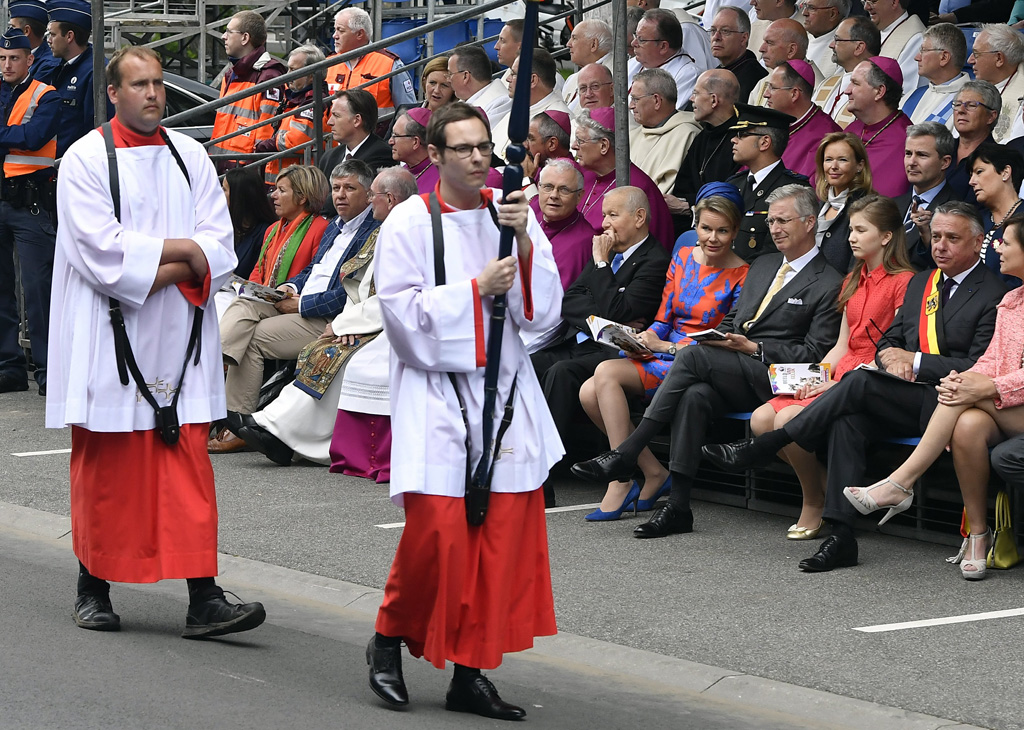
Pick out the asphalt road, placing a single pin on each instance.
(725, 602)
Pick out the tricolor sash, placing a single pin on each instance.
(933, 337)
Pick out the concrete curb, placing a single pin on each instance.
(579, 652)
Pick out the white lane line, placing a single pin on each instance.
(966, 618)
(568, 508)
(43, 453)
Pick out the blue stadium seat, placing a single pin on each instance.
(410, 50)
(445, 39)
(687, 238)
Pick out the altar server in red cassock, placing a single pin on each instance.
(143, 506)
(459, 593)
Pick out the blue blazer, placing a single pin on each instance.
(329, 303)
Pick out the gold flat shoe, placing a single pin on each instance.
(796, 532)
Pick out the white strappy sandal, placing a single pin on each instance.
(866, 504)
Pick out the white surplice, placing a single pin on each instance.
(437, 330)
(96, 257)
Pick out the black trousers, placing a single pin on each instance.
(562, 369)
(703, 383)
(864, 407)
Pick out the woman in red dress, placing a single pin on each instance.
(871, 294)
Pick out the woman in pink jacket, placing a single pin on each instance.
(977, 409)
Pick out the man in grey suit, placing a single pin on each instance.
(786, 313)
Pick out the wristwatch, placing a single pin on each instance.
(759, 353)
(672, 349)
(600, 264)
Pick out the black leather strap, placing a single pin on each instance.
(166, 416)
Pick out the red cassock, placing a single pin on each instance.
(142, 511)
(470, 594)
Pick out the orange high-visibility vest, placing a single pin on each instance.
(24, 162)
(367, 68)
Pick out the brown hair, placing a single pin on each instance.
(885, 215)
(718, 204)
(1015, 221)
(862, 181)
(114, 67)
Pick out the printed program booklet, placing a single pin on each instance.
(786, 377)
(618, 336)
(251, 290)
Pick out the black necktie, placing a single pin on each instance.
(749, 188)
(947, 287)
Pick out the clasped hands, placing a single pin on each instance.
(965, 389)
(347, 340)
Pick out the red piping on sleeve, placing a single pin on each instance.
(526, 277)
(478, 326)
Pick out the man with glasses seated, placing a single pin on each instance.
(855, 40)
(658, 43)
(469, 72)
(765, 13)
(594, 146)
(821, 19)
(785, 40)
(590, 42)
(940, 62)
(902, 35)
(657, 146)
(596, 87)
(571, 235)
(729, 34)
(785, 313)
(998, 57)
(789, 91)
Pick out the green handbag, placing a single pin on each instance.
(1003, 553)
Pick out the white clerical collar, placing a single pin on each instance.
(892, 26)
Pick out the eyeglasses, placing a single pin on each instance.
(563, 190)
(970, 105)
(448, 74)
(982, 53)
(402, 136)
(638, 39)
(724, 32)
(371, 194)
(580, 142)
(772, 222)
(465, 151)
(594, 87)
(750, 133)
(814, 8)
(929, 50)
(232, 30)
(845, 40)
(779, 88)
(634, 98)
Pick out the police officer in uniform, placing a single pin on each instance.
(31, 18)
(28, 145)
(760, 138)
(69, 29)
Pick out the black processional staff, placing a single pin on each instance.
(479, 488)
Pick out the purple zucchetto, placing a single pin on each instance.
(889, 67)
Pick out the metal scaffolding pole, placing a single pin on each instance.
(621, 93)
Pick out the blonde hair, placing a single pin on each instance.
(309, 183)
(862, 181)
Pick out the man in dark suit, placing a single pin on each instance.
(957, 304)
(929, 152)
(785, 313)
(353, 119)
(761, 136)
(623, 282)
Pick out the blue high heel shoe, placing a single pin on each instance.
(599, 515)
(646, 505)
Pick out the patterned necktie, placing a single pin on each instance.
(777, 284)
(908, 224)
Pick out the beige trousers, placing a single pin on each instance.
(252, 332)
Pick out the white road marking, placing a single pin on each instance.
(552, 510)
(43, 453)
(966, 618)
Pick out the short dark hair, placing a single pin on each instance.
(81, 32)
(473, 59)
(363, 103)
(791, 78)
(1000, 157)
(862, 29)
(945, 145)
(893, 91)
(516, 25)
(544, 67)
(37, 27)
(415, 129)
(457, 111)
(252, 23)
(668, 26)
(114, 77)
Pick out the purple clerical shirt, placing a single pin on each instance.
(572, 242)
(885, 143)
(594, 189)
(805, 134)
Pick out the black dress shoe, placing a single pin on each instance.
(214, 616)
(12, 383)
(267, 444)
(94, 612)
(667, 520)
(608, 467)
(549, 496)
(834, 552)
(235, 422)
(737, 456)
(386, 679)
(479, 696)
(42, 390)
